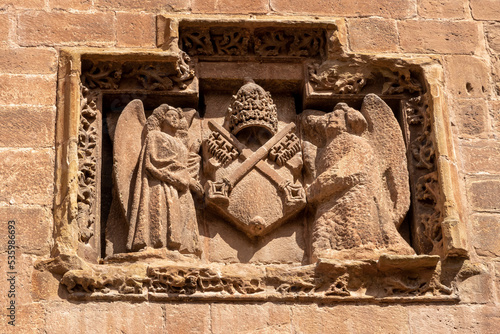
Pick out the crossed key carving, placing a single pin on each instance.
(220, 190)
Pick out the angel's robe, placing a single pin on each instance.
(163, 212)
(353, 218)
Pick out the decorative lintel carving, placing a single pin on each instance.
(149, 75)
(260, 42)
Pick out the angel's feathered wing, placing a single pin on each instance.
(127, 147)
(384, 133)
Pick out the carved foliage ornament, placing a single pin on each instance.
(151, 76)
(351, 76)
(87, 164)
(261, 42)
(427, 193)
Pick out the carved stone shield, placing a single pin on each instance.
(253, 191)
(251, 177)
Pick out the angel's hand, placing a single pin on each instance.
(196, 187)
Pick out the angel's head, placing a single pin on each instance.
(166, 119)
(344, 119)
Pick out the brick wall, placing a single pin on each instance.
(463, 34)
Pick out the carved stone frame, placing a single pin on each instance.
(68, 254)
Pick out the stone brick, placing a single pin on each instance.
(73, 4)
(149, 5)
(44, 286)
(27, 126)
(187, 318)
(484, 226)
(383, 8)
(28, 61)
(29, 320)
(349, 319)
(443, 9)
(22, 278)
(228, 6)
(494, 110)
(96, 318)
(27, 176)
(32, 228)
(4, 28)
(472, 118)
(483, 195)
(22, 4)
(33, 90)
(481, 156)
(135, 30)
(485, 9)
(251, 318)
(456, 37)
(493, 36)
(453, 319)
(42, 28)
(373, 35)
(496, 281)
(467, 76)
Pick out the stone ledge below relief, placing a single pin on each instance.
(391, 279)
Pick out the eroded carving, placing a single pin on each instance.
(353, 75)
(360, 192)
(389, 277)
(104, 281)
(87, 165)
(428, 212)
(152, 76)
(156, 159)
(262, 42)
(196, 41)
(232, 43)
(339, 77)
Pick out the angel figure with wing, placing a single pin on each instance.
(156, 169)
(359, 187)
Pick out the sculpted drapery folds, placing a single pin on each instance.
(359, 183)
(158, 205)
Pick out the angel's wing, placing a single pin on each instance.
(127, 147)
(387, 140)
(313, 137)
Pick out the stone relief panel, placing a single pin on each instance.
(156, 168)
(325, 188)
(359, 181)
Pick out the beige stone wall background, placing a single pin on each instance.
(464, 34)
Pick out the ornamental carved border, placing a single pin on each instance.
(163, 275)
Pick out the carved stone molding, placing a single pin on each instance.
(88, 140)
(390, 279)
(130, 75)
